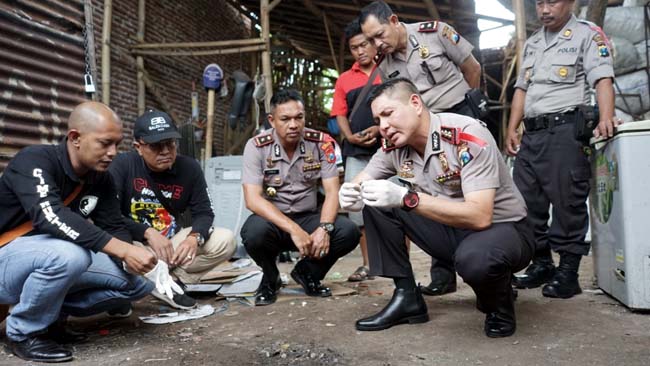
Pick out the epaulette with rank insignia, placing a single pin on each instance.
(263, 140)
(315, 136)
(450, 134)
(387, 146)
(428, 27)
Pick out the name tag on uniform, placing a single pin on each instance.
(271, 171)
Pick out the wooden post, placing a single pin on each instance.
(106, 52)
(329, 40)
(266, 54)
(596, 11)
(520, 27)
(209, 124)
(140, 60)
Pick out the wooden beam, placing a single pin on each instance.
(329, 40)
(139, 59)
(266, 54)
(274, 4)
(224, 51)
(431, 8)
(520, 28)
(309, 4)
(216, 44)
(596, 11)
(158, 95)
(106, 52)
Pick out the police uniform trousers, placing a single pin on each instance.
(551, 167)
(484, 259)
(264, 241)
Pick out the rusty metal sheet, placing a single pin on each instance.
(41, 71)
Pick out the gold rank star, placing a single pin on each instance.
(567, 32)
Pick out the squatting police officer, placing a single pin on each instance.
(282, 168)
(561, 61)
(434, 57)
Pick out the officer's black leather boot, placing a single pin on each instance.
(267, 292)
(443, 281)
(564, 283)
(500, 321)
(406, 306)
(538, 273)
(40, 349)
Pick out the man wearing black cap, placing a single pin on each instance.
(155, 186)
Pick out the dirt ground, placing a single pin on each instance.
(590, 329)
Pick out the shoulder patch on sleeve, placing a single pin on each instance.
(428, 27)
(263, 140)
(450, 134)
(450, 34)
(463, 136)
(387, 146)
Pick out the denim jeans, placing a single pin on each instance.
(44, 277)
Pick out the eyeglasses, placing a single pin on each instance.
(160, 145)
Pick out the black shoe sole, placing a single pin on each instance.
(47, 360)
(557, 296)
(426, 290)
(500, 335)
(416, 319)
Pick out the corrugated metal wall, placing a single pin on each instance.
(41, 71)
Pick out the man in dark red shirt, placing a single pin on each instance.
(360, 134)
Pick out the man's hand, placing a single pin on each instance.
(160, 245)
(382, 193)
(185, 252)
(163, 281)
(302, 241)
(350, 197)
(513, 140)
(606, 127)
(365, 138)
(139, 260)
(321, 243)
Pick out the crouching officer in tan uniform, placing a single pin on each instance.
(458, 203)
(560, 64)
(282, 168)
(440, 63)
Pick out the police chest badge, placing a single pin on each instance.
(269, 162)
(271, 192)
(424, 51)
(563, 72)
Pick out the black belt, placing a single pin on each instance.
(548, 121)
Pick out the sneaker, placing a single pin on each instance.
(120, 312)
(180, 301)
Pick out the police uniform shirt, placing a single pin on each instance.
(433, 54)
(291, 185)
(460, 157)
(557, 76)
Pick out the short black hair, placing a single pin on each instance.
(285, 95)
(392, 85)
(352, 29)
(379, 9)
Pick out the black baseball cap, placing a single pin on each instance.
(155, 126)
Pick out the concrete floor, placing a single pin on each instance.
(589, 329)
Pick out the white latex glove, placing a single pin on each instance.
(163, 281)
(350, 197)
(382, 193)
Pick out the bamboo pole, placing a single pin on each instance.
(106, 52)
(329, 40)
(200, 53)
(139, 59)
(274, 4)
(216, 44)
(520, 28)
(209, 125)
(266, 54)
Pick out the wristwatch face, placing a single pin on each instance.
(327, 227)
(411, 200)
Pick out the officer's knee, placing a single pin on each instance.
(254, 232)
(477, 266)
(349, 232)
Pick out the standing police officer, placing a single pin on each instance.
(282, 168)
(440, 63)
(458, 203)
(560, 62)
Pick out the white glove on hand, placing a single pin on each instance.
(382, 193)
(159, 275)
(350, 197)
